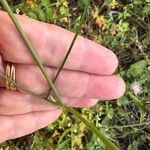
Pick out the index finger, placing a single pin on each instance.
(51, 43)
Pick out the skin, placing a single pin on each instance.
(87, 75)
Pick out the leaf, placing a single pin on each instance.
(42, 16)
(137, 69)
(63, 10)
(32, 15)
(147, 76)
(63, 145)
(110, 113)
(148, 1)
(45, 3)
(82, 3)
(49, 12)
(122, 101)
(133, 146)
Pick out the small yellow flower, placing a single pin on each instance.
(31, 3)
(65, 19)
(65, 3)
(100, 21)
(95, 13)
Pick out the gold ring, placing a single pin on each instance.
(11, 76)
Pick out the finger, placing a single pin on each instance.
(79, 103)
(15, 103)
(71, 84)
(80, 85)
(20, 125)
(86, 55)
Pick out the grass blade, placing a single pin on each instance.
(73, 41)
(71, 45)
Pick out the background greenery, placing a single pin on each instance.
(124, 27)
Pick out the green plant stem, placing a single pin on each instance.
(21, 87)
(72, 43)
(130, 125)
(109, 145)
(31, 48)
(136, 99)
(107, 142)
(139, 103)
(63, 134)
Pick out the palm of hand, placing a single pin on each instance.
(87, 75)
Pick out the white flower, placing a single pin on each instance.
(136, 88)
(17, 11)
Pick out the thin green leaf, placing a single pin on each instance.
(72, 43)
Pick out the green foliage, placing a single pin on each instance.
(137, 69)
(82, 3)
(122, 101)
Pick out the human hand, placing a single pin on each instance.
(86, 77)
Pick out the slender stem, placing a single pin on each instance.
(130, 125)
(71, 45)
(107, 142)
(109, 145)
(64, 133)
(136, 99)
(139, 103)
(28, 91)
(31, 48)
(19, 86)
